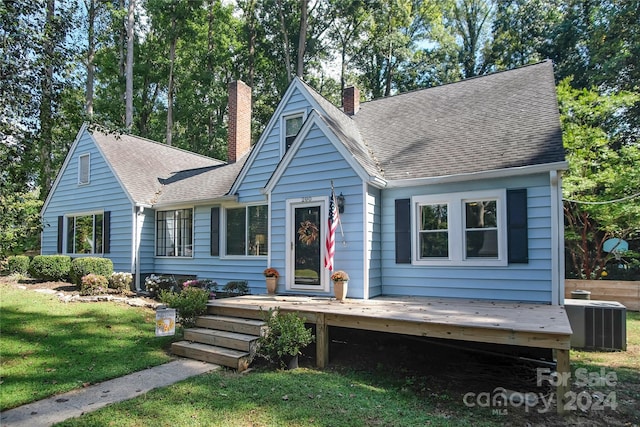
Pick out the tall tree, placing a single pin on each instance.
(470, 20)
(602, 184)
(128, 121)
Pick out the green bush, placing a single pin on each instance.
(190, 303)
(285, 337)
(18, 264)
(50, 267)
(91, 265)
(93, 284)
(121, 281)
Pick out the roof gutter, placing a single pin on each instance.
(491, 174)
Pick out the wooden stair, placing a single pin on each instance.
(223, 340)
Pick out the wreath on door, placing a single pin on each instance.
(308, 232)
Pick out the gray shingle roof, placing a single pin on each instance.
(345, 129)
(503, 120)
(154, 173)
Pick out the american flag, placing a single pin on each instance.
(332, 225)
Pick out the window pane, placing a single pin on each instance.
(84, 235)
(293, 125)
(481, 214)
(434, 245)
(433, 217)
(84, 169)
(184, 221)
(258, 236)
(71, 231)
(482, 244)
(236, 231)
(163, 245)
(97, 248)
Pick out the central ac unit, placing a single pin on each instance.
(597, 325)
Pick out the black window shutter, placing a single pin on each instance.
(517, 229)
(60, 233)
(107, 231)
(215, 231)
(403, 231)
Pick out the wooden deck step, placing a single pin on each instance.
(232, 340)
(235, 359)
(231, 324)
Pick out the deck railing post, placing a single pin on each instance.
(322, 341)
(563, 369)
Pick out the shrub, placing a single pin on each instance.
(285, 337)
(156, 283)
(236, 287)
(93, 284)
(121, 281)
(190, 303)
(206, 284)
(50, 267)
(91, 265)
(18, 264)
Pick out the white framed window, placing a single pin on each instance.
(85, 233)
(84, 168)
(174, 233)
(291, 125)
(467, 228)
(246, 232)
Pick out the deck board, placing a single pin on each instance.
(534, 325)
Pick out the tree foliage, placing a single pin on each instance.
(601, 170)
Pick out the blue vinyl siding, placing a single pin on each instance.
(103, 193)
(373, 253)
(520, 282)
(309, 174)
(269, 156)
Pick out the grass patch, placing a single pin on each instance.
(304, 397)
(49, 347)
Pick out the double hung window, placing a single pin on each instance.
(460, 228)
(246, 231)
(85, 234)
(174, 233)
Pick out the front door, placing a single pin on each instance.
(306, 243)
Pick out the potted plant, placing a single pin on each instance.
(271, 275)
(340, 284)
(284, 338)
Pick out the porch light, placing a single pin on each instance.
(340, 201)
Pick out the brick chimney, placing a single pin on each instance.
(239, 126)
(351, 100)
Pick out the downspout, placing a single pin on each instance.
(366, 248)
(138, 210)
(557, 239)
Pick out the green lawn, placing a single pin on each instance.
(304, 397)
(48, 347)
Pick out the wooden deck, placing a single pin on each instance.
(498, 322)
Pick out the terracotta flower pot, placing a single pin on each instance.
(340, 289)
(272, 283)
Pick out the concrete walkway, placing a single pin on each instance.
(77, 402)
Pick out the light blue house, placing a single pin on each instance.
(451, 191)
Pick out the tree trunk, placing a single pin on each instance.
(128, 120)
(251, 35)
(46, 102)
(172, 61)
(285, 41)
(91, 51)
(302, 40)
